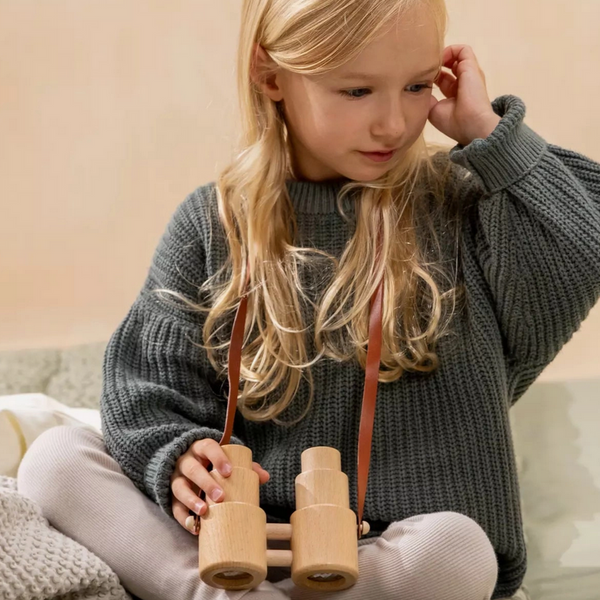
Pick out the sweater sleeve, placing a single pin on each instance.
(534, 230)
(157, 397)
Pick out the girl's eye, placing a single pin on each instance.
(350, 93)
(422, 86)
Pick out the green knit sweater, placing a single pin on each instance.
(530, 262)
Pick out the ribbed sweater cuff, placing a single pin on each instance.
(157, 477)
(508, 153)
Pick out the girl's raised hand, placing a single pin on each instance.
(191, 475)
(466, 113)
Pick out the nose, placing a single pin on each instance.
(391, 124)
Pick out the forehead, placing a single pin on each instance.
(407, 47)
(375, 76)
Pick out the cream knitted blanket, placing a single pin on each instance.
(38, 562)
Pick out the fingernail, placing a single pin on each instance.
(198, 507)
(226, 469)
(216, 494)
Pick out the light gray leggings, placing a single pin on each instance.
(84, 494)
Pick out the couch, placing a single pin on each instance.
(555, 426)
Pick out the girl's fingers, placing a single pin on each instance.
(183, 517)
(262, 474)
(185, 495)
(210, 451)
(192, 469)
(455, 55)
(448, 84)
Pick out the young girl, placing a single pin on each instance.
(489, 254)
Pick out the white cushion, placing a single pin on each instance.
(23, 417)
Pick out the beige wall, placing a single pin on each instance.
(112, 112)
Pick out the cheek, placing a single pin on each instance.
(330, 114)
(348, 121)
(321, 120)
(419, 120)
(336, 125)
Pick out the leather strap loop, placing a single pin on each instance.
(369, 395)
(367, 416)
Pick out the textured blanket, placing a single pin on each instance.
(38, 562)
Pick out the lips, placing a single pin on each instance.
(379, 157)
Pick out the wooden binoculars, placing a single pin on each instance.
(233, 535)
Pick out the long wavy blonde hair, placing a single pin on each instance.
(313, 37)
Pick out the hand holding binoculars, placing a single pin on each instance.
(233, 534)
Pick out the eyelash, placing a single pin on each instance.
(347, 93)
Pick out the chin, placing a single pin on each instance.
(370, 178)
(367, 175)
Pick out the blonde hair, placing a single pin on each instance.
(310, 37)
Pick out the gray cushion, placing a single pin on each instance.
(72, 375)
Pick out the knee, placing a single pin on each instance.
(53, 460)
(453, 544)
(466, 545)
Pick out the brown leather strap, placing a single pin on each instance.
(234, 359)
(370, 390)
(367, 416)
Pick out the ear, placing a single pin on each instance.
(263, 71)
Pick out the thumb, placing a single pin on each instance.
(432, 102)
(441, 115)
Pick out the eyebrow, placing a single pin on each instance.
(374, 77)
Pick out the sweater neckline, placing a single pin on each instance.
(318, 197)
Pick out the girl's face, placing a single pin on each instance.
(379, 101)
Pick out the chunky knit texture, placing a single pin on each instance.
(530, 262)
(38, 562)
